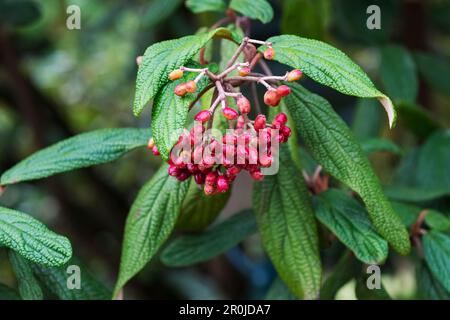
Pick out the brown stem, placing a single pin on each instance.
(237, 53)
(265, 67)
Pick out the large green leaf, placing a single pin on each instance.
(333, 146)
(170, 112)
(379, 144)
(56, 279)
(436, 249)
(433, 169)
(288, 230)
(348, 220)
(428, 288)
(84, 150)
(194, 248)
(255, 9)
(328, 66)
(162, 58)
(197, 6)
(435, 70)
(31, 239)
(150, 222)
(398, 73)
(409, 214)
(346, 269)
(199, 210)
(29, 288)
(414, 194)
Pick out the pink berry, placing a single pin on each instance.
(244, 71)
(155, 151)
(183, 176)
(229, 113)
(190, 86)
(272, 98)
(286, 131)
(211, 178)
(265, 161)
(209, 189)
(176, 74)
(257, 175)
(180, 90)
(269, 53)
(203, 116)
(283, 90)
(260, 122)
(199, 178)
(294, 75)
(222, 184)
(243, 105)
(173, 171)
(281, 118)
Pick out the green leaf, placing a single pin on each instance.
(367, 109)
(333, 146)
(31, 239)
(433, 169)
(198, 210)
(7, 293)
(288, 230)
(436, 249)
(348, 220)
(345, 270)
(197, 6)
(56, 279)
(435, 70)
(151, 219)
(170, 112)
(364, 293)
(328, 66)
(162, 58)
(409, 214)
(278, 291)
(308, 18)
(83, 150)
(194, 248)
(158, 11)
(398, 73)
(255, 9)
(29, 288)
(369, 146)
(428, 288)
(416, 119)
(414, 194)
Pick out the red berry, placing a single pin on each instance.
(244, 71)
(176, 74)
(260, 122)
(272, 98)
(252, 156)
(243, 105)
(155, 151)
(209, 189)
(257, 175)
(286, 131)
(229, 113)
(183, 176)
(173, 171)
(222, 184)
(265, 161)
(233, 171)
(269, 53)
(199, 178)
(190, 86)
(229, 138)
(211, 178)
(180, 90)
(283, 90)
(281, 118)
(294, 75)
(276, 124)
(202, 116)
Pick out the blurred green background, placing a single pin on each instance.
(56, 82)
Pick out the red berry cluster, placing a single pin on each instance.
(248, 145)
(215, 164)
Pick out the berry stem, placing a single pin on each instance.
(232, 68)
(237, 52)
(265, 84)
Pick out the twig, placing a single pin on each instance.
(237, 53)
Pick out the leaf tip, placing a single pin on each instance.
(390, 109)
